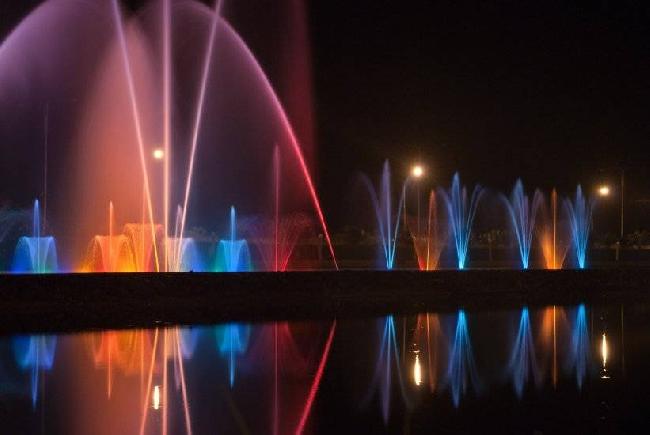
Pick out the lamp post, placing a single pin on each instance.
(604, 191)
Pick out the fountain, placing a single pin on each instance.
(128, 123)
(233, 254)
(388, 221)
(579, 213)
(429, 241)
(461, 212)
(35, 254)
(461, 368)
(522, 213)
(523, 364)
(551, 235)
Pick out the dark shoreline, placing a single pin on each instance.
(73, 302)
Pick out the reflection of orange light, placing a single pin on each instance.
(417, 371)
(604, 353)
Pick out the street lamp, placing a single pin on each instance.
(417, 171)
(604, 191)
(158, 154)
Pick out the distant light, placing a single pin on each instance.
(155, 400)
(158, 154)
(417, 371)
(603, 190)
(417, 171)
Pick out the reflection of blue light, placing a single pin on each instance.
(188, 340)
(232, 340)
(388, 354)
(461, 213)
(34, 353)
(522, 360)
(579, 352)
(461, 369)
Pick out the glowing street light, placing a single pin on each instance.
(603, 190)
(417, 171)
(158, 154)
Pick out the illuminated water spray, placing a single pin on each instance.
(233, 254)
(461, 211)
(461, 368)
(523, 364)
(388, 221)
(35, 254)
(522, 212)
(579, 212)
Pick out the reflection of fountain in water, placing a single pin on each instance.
(36, 354)
(523, 363)
(578, 357)
(428, 339)
(232, 342)
(387, 360)
(461, 368)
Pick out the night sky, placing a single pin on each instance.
(556, 92)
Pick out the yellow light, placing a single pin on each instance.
(417, 171)
(155, 400)
(603, 190)
(158, 154)
(604, 352)
(417, 371)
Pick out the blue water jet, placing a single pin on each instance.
(35, 254)
(579, 351)
(382, 379)
(523, 364)
(522, 212)
(461, 368)
(461, 212)
(34, 353)
(233, 255)
(232, 341)
(579, 212)
(388, 222)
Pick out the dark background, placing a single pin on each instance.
(555, 92)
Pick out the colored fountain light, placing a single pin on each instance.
(139, 135)
(35, 254)
(579, 211)
(461, 211)
(388, 220)
(428, 240)
(233, 254)
(523, 212)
